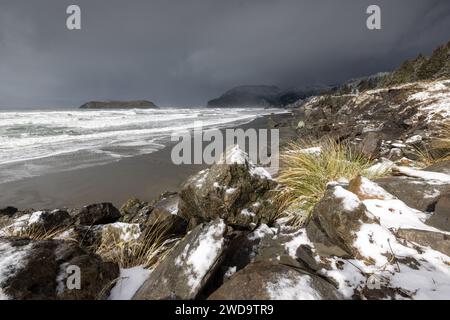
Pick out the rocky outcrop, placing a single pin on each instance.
(233, 189)
(189, 266)
(136, 104)
(41, 270)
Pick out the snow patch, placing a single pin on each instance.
(205, 252)
(129, 282)
(12, 259)
(429, 176)
(349, 200)
(296, 288)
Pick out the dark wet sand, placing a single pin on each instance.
(143, 177)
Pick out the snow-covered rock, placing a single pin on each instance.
(42, 270)
(188, 267)
(234, 189)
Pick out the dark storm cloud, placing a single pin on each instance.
(185, 52)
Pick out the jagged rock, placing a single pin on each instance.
(188, 267)
(441, 217)
(415, 192)
(370, 145)
(135, 211)
(338, 215)
(435, 240)
(164, 215)
(243, 249)
(38, 270)
(102, 213)
(271, 281)
(234, 190)
(323, 244)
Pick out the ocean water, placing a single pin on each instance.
(35, 142)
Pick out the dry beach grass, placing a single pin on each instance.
(305, 175)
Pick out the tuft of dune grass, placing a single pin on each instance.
(149, 249)
(34, 232)
(304, 176)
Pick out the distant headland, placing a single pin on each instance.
(135, 104)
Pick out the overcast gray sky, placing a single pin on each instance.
(184, 53)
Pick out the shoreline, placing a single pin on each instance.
(144, 177)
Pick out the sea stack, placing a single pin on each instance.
(135, 104)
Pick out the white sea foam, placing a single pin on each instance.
(33, 142)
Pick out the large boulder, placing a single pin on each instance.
(41, 269)
(100, 213)
(234, 189)
(336, 219)
(188, 267)
(273, 281)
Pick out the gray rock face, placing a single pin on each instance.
(338, 215)
(415, 192)
(370, 145)
(101, 213)
(435, 240)
(232, 192)
(135, 211)
(441, 217)
(189, 266)
(38, 270)
(273, 281)
(136, 104)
